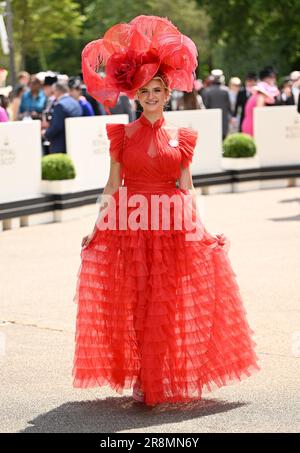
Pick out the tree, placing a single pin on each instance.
(51, 35)
(248, 34)
(38, 23)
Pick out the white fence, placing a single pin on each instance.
(20, 159)
(277, 134)
(88, 145)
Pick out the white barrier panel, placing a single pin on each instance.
(277, 135)
(88, 147)
(208, 123)
(20, 159)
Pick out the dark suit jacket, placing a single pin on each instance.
(123, 106)
(217, 97)
(66, 107)
(242, 98)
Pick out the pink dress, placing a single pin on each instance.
(247, 124)
(3, 115)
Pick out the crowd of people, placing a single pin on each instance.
(238, 100)
(52, 97)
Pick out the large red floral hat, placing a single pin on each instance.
(133, 53)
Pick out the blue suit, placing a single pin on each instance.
(66, 107)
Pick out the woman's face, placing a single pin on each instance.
(234, 87)
(35, 85)
(153, 96)
(75, 93)
(287, 89)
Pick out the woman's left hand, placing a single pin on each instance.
(223, 241)
(221, 238)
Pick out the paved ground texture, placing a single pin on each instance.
(38, 265)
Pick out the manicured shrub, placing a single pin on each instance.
(239, 145)
(57, 166)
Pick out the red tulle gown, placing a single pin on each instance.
(153, 306)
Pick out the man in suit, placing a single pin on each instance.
(48, 84)
(243, 96)
(295, 79)
(216, 96)
(286, 96)
(65, 107)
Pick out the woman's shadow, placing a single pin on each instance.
(115, 414)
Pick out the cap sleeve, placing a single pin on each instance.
(116, 134)
(187, 142)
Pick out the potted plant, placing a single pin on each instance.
(239, 152)
(58, 174)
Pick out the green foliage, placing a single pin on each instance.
(250, 34)
(38, 23)
(57, 166)
(63, 58)
(236, 35)
(239, 145)
(52, 35)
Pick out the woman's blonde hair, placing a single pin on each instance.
(161, 78)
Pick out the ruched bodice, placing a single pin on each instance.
(151, 153)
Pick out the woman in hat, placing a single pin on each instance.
(263, 94)
(159, 309)
(75, 86)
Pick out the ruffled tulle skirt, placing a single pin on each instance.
(155, 307)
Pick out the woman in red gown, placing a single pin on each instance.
(159, 308)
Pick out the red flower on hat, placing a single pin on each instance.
(120, 69)
(126, 70)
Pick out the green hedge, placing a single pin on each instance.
(239, 145)
(57, 166)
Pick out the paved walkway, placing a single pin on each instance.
(38, 265)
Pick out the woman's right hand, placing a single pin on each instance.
(86, 240)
